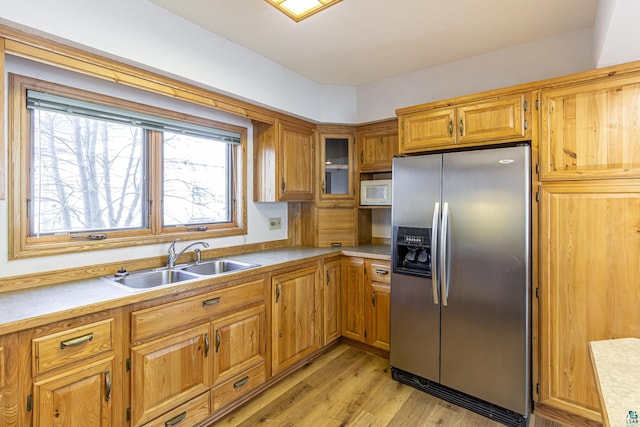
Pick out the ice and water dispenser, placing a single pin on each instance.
(412, 251)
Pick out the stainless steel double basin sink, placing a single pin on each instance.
(149, 279)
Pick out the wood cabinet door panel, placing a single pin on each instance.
(422, 131)
(491, 120)
(379, 326)
(81, 397)
(295, 305)
(238, 343)
(377, 150)
(353, 298)
(169, 371)
(336, 225)
(590, 286)
(331, 301)
(591, 130)
(296, 158)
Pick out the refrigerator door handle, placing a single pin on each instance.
(434, 252)
(444, 267)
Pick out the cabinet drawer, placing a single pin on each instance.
(72, 345)
(379, 272)
(237, 387)
(189, 414)
(163, 318)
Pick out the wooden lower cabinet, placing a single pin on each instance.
(169, 371)
(189, 414)
(590, 270)
(332, 327)
(238, 341)
(223, 357)
(365, 301)
(353, 298)
(295, 308)
(78, 397)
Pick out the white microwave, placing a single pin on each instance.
(376, 192)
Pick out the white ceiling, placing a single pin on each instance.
(361, 41)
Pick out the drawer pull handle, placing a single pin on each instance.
(76, 341)
(206, 344)
(382, 272)
(241, 382)
(277, 292)
(107, 386)
(217, 340)
(212, 301)
(176, 420)
(373, 298)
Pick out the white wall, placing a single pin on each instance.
(551, 57)
(140, 33)
(257, 213)
(617, 33)
(143, 34)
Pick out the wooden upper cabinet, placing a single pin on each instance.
(503, 118)
(591, 130)
(589, 270)
(376, 150)
(429, 129)
(283, 162)
(336, 167)
(491, 120)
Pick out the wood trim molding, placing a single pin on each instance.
(3, 172)
(29, 46)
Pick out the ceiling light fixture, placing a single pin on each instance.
(301, 9)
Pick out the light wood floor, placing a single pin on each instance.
(349, 387)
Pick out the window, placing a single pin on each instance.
(97, 172)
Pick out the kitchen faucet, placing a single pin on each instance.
(172, 257)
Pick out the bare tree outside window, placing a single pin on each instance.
(87, 175)
(196, 180)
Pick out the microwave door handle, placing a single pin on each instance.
(434, 252)
(444, 267)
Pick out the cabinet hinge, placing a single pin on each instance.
(537, 104)
(128, 414)
(526, 105)
(537, 292)
(538, 168)
(365, 334)
(538, 388)
(537, 196)
(364, 270)
(128, 365)
(526, 124)
(30, 403)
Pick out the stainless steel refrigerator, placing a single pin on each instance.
(460, 281)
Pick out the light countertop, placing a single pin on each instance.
(616, 364)
(27, 308)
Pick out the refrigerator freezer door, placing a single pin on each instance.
(415, 319)
(485, 324)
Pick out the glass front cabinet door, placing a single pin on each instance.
(336, 168)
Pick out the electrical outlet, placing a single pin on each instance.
(275, 223)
